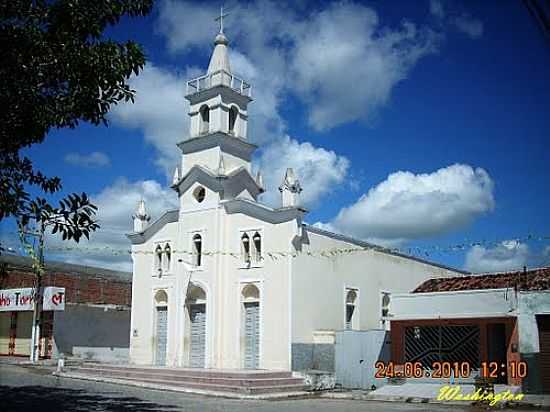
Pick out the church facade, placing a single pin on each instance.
(227, 282)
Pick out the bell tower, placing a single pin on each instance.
(218, 115)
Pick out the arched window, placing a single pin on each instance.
(351, 309)
(195, 294)
(257, 243)
(233, 114)
(158, 260)
(385, 303)
(250, 293)
(205, 119)
(161, 298)
(167, 258)
(245, 247)
(197, 250)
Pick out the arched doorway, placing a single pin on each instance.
(161, 327)
(196, 332)
(250, 297)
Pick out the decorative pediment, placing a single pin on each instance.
(230, 185)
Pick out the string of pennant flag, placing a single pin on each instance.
(426, 251)
(423, 251)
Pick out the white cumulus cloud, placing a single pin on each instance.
(317, 169)
(159, 112)
(92, 160)
(506, 256)
(411, 206)
(116, 205)
(345, 64)
(340, 61)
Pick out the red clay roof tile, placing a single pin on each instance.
(536, 279)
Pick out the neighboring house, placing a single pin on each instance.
(502, 318)
(227, 282)
(94, 322)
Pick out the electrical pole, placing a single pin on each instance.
(37, 299)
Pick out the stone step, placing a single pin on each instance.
(168, 382)
(248, 390)
(170, 375)
(192, 372)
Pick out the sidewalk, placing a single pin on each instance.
(427, 393)
(24, 360)
(46, 364)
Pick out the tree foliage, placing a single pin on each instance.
(58, 68)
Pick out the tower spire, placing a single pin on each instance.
(220, 60)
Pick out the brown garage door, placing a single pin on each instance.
(5, 331)
(544, 359)
(23, 332)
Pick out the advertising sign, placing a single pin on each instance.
(22, 299)
(54, 298)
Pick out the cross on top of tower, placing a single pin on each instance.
(220, 18)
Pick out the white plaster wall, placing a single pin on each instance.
(209, 158)
(232, 162)
(480, 303)
(319, 283)
(530, 305)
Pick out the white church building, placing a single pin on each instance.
(227, 282)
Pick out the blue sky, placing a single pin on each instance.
(412, 124)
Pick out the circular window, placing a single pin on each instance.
(199, 194)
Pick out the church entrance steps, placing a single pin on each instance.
(194, 372)
(231, 383)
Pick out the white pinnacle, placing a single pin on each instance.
(141, 212)
(260, 180)
(221, 167)
(176, 177)
(290, 177)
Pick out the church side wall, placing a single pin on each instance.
(319, 290)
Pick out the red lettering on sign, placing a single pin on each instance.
(4, 300)
(57, 299)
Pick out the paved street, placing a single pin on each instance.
(23, 389)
